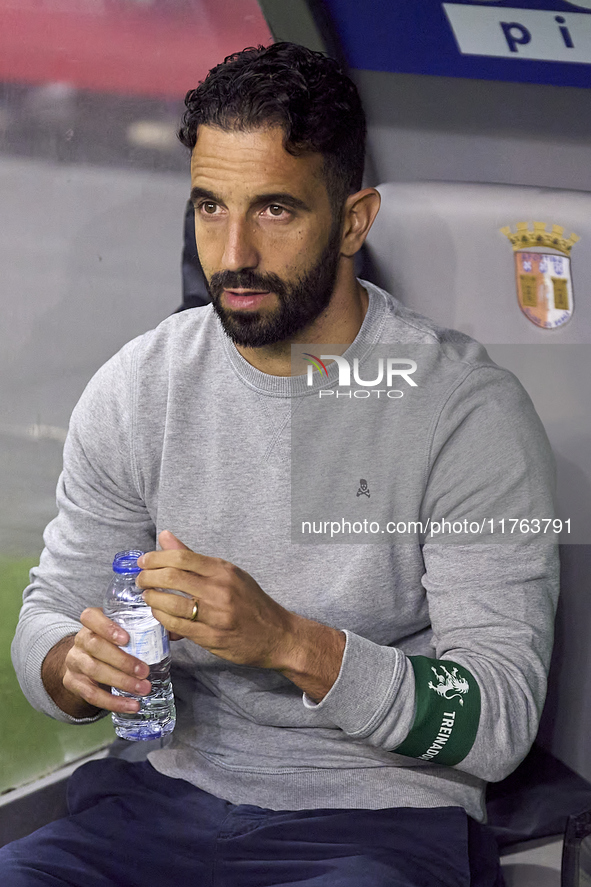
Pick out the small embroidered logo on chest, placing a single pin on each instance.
(449, 684)
(363, 488)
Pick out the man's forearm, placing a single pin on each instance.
(52, 675)
(314, 659)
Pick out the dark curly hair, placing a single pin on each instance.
(304, 92)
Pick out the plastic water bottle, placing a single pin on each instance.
(148, 641)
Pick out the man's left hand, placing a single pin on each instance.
(235, 619)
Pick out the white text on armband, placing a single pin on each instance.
(447, 725)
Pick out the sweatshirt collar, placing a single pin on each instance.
(296, 386)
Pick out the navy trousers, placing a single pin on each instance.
(130, 826)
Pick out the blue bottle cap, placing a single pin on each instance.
(126, 561)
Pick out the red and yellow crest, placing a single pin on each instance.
(543, 273)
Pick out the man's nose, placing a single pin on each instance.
(240, 249)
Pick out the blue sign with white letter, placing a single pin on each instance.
(532, 41)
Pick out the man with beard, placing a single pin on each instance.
(339, 707)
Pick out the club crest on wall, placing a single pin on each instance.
(543, 272)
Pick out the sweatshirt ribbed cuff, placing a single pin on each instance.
(374, 682)
(32, 684)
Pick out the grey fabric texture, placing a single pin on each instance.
(177, 431)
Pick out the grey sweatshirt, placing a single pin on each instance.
(177, 431)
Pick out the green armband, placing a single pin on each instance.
(447, 712)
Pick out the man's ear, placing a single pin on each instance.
(360, 211)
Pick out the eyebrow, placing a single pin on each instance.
(283, 197)
(203, 194)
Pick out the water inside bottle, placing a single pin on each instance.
(149, 642)
(156, 717)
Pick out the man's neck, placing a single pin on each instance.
(339, 324)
